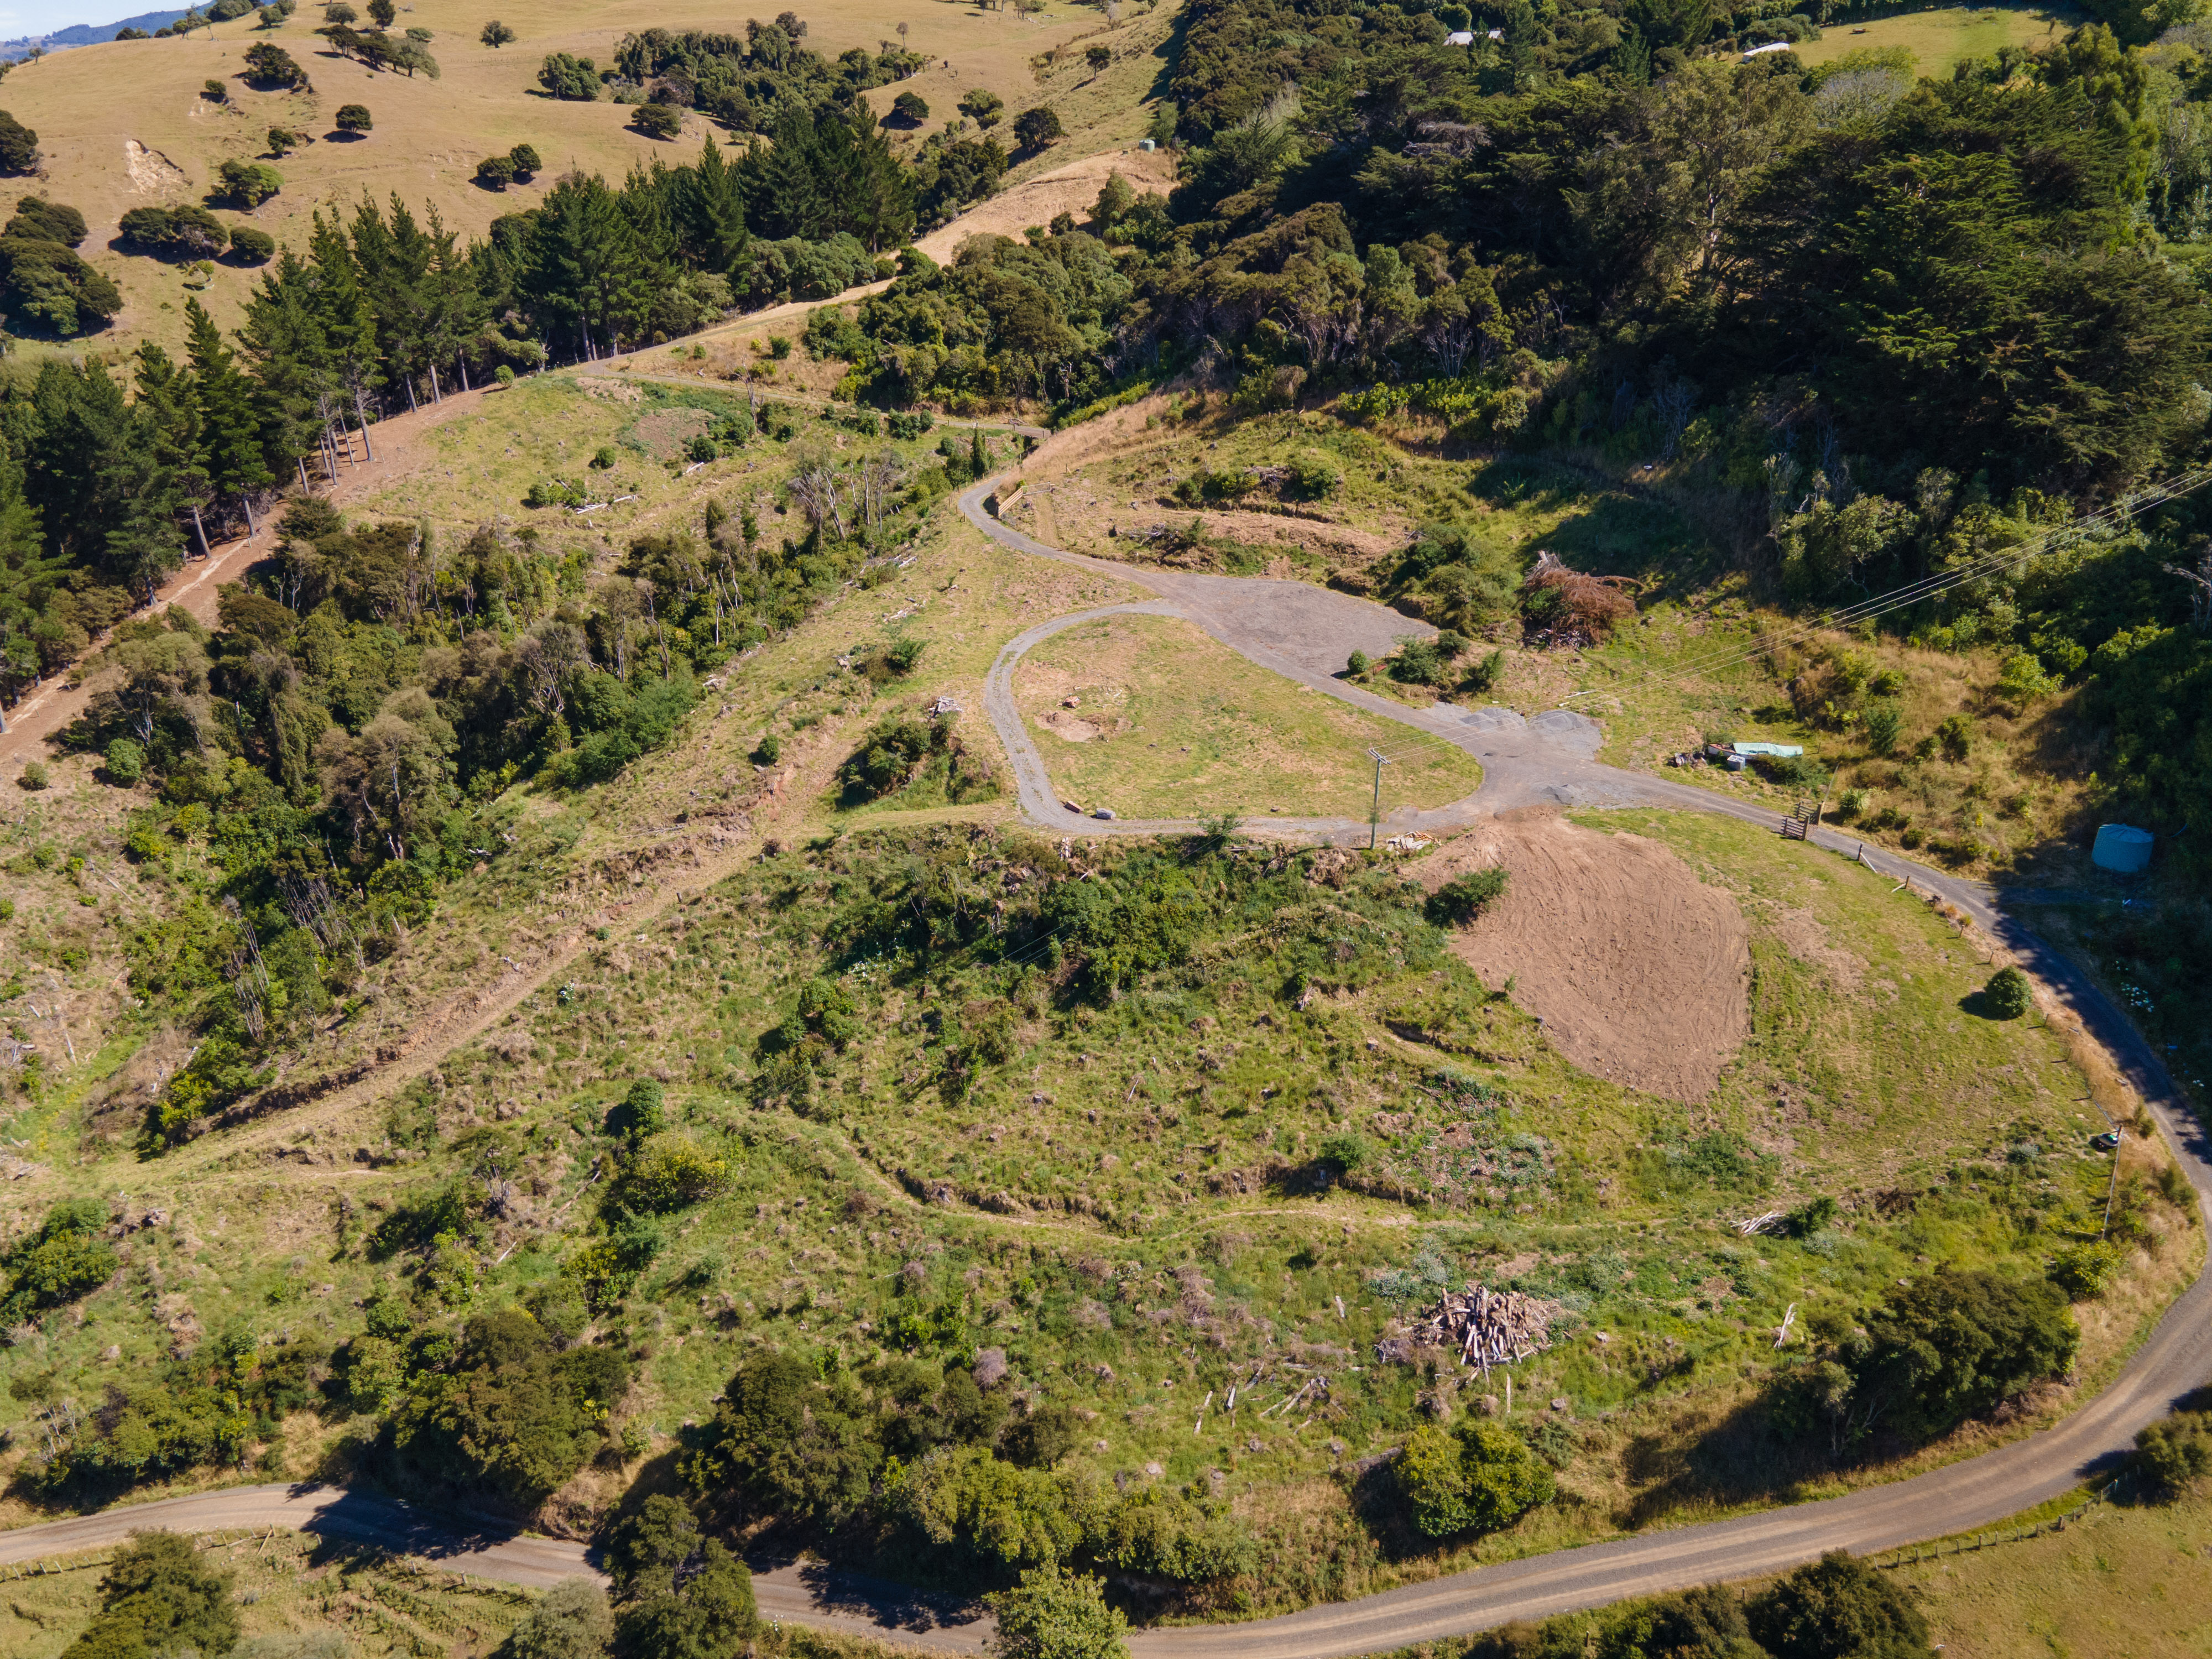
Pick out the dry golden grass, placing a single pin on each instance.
(92, 105)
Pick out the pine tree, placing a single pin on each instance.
(292, 368)
(587, 277)
(712, 206)
(69, 433)
(230, 425)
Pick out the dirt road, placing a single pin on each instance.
(1303, 634)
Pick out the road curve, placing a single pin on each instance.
(1304, 633)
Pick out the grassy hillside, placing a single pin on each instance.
(125, 124)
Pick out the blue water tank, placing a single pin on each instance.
(2123, 847)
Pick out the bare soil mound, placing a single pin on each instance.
(1640, 972)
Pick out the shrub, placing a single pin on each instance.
(495, 34)
(1356, 663)
(526, 161)
(1881, 725)
(214, 92)
(2008, 995)
(569, 1621)
(1488, 671)
(37, 220)
(249, 184)
(282, 141)
(1837, 1609)
(1342, 1153)
(1312, 477)
(1956, 738)
(576, 79)
(156, 1597)
(1462, 898)
(251, 247)
(1473, 1477)
(1037, 126)
(1953, 1345)
(1054, 1613)
(767, 751)
(32, 776)
(668, 1174)
(183, 233)
(19, 145)
(514, 1418)
(2172, 1457)
(985, 109)
(1419, 663)
(64, 1260)
(497, 172)
(2083, 1271)
(355, 118)
(658, 120)
(127, 762)
(268, 65)
(779, 346)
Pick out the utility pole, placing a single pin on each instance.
(1375, 813)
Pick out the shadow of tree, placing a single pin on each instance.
(1717, 1459)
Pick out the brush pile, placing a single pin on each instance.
(1587, 606)
(1483, 1327)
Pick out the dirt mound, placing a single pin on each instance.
(1639, 972)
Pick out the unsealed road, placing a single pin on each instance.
(1295, 629)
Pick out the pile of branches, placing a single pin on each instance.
(1485, 1327)
(1587, 606)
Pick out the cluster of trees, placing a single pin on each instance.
(19, 146)
(519, 165)
(1838, 1607)
(43, 282)
(752, 82)
(67, 1256)
(207, 1408)
(1941, 1349)
(935, 1449)
(159, 1596)
(377, 48)
(1006, 320)
(511, 1411)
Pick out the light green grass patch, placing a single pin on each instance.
(1165, 723)
(1939, 39)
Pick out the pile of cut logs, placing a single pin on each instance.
(1486, 1327)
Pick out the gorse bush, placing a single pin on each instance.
(1476, 1476)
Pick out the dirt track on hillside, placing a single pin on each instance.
(1640, 972)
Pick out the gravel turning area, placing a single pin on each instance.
(1640, 972)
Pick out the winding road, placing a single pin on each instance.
(1305, 633)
